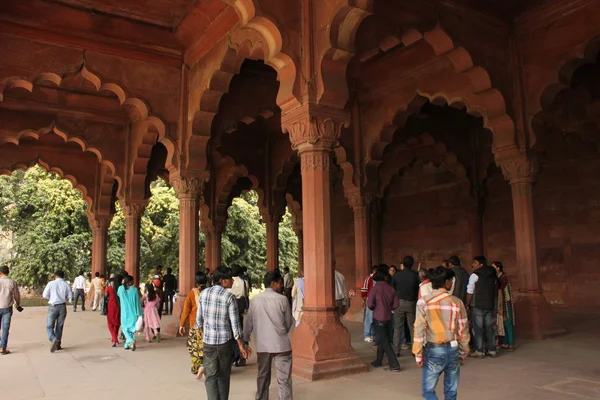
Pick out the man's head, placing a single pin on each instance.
(81, 273)
(393, 270)
(373, 269)
(423, 274)
(169, 270)
(441, 277)
(200, 279)
(407, 262)
(237, 270)
(60, 274)
(4, 270)
(454, 261)
(274, 280)
(479, 262)
(97, 274)
(445, 263)
(286, 270)
(382, 273)
(159, 268)
(223, 277)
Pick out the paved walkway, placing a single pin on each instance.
(88, 368)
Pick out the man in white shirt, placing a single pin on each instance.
(79, 290)
(57, 292)
(270, 319)
(9, 296)
(341, 293)
(97, 284)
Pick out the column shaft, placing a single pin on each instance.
(272, 226)
(133, 216)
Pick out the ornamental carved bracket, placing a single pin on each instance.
(314, 126)
(187, 187)
(357, 198)
(99, 223)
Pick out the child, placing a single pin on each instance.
(151, 317)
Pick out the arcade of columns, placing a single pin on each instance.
(386, 127)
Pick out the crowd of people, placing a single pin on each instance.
(441, 312)
(444, 312)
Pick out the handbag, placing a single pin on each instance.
(139, 324)
(104, 305)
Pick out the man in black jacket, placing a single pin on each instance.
(406, 284)
(461, 279)
(481, 300)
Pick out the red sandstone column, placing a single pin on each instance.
(188, 192)
(208, 250)
(99, 225)
(272, 225)
(534, 316)
(362, 249)
(321, 344)
(216, 251)
(133, 215)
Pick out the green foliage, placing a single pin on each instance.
(50, 231)
(48, 222)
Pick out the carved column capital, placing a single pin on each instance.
(357, 198)
(519, 169)
(133, 209)
(314, 127)
(186, 186)
(99, 223)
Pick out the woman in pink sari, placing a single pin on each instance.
(151, 317)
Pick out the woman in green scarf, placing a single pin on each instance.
(131, 310)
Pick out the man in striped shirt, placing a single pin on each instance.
(219, 320)
(441, 342)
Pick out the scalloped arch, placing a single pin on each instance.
(564, 80)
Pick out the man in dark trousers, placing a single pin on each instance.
(170, 286)
(460, 281)
(481, 299)
(406, 284)
(270, 319)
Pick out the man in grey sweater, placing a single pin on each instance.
(270, 318)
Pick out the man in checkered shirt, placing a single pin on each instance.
(219, 320)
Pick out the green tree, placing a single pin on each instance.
(49, 226)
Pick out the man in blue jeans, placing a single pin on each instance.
(9, 296)
(369, 329)
(58, 293)
(482, 291)
(441, 341)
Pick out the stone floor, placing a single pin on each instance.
(88, 368)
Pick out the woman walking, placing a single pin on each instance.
(131, 310)
(506, 311)
(113, 315)
(190, 308)
(151, 317)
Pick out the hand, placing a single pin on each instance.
(248, 351)
(420, 364)
(182, 331)
(463, 360)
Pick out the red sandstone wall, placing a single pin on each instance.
(568, 219)
(423, 217)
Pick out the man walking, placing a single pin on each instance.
(170, 286)
(57, 292)
(406, 284)
(481, 300)
(288, 284)
(368, 328)
(219, 319)
(441, 342)
(342, 302)
(9, 295)
(97, 285)
(79, 290)
(270, 318)
(461, 279)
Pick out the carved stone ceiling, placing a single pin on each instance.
(506, 9)
(165, 13)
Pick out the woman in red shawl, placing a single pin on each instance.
(113, 317)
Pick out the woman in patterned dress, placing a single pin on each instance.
(194, 342)
(151, 317)
(506, 311)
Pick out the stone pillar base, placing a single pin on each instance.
(172, 328)
(356, 312)
(321, 347)
(535, 317)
